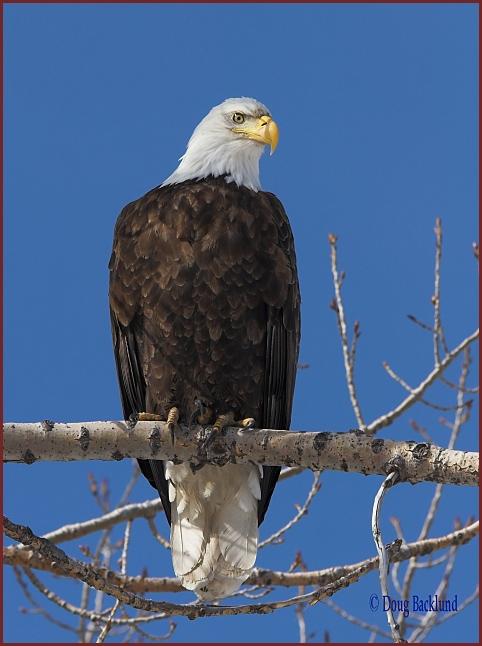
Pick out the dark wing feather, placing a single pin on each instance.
(282, 347)
(132, 383)
(133, 396)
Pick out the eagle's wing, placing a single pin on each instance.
(133, 396)
(282, 347)
(125, 337)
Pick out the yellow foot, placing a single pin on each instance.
(172, 420)
(247, 422)
(222, 422)
(228, 420)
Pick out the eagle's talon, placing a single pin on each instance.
(132, 421)
(247, 423)
(172, 420)
(222, 421)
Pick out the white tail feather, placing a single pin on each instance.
(214, 526)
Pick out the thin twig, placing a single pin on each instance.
(155, 532)
(300, 608)
(155, 638)
(466, 602)
(136, 472)
(437, 324)
(409, 389)
(428, 622)
(388, 418)
(468, 391)
(104, 549)
(107, 626)
(84, 604)
(301, 511)
(421, 430)
(395, 567)
(123, 566)
(423, 565)
(253, 592)
(348, 356)
(35, 605)
(300, 617)
(415, 320)
(355, 620)
(460, 419)
(390, 480)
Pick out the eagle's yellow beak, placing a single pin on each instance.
(264, 130)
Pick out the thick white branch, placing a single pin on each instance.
(351, 451)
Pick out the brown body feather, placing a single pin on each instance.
(205, 305)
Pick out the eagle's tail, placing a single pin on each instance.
(214, 526)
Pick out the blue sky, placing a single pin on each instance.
(377, 109)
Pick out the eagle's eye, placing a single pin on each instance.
(238, 117)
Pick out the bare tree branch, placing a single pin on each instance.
(301, 511)
(36, 607)
(466, 602)
(428, 621)
(88, 574)
(416, 393)
(461, 416)
(355, 620)
(88, 614)
(47, 560)
(351, 451)
(383, 557)
(438, 334)
(123, 563)
(422, 400)
(348, 354)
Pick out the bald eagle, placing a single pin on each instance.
(205, 312)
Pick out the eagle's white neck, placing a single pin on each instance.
(211, 152)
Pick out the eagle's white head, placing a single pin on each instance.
(229, 141)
